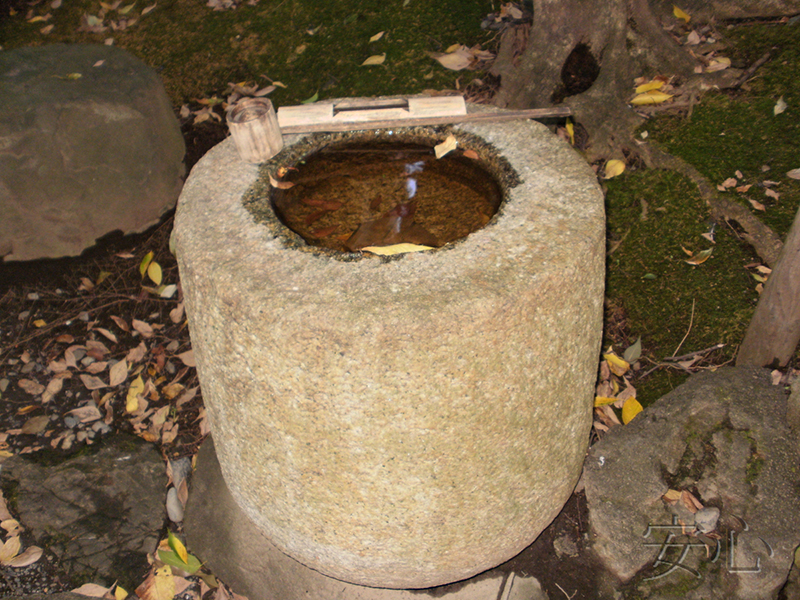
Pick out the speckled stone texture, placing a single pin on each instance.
(82, 157)
(408, 422)
(724, 435)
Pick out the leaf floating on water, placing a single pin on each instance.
(614, 167)
(700, 257)
(681, 14)
(449, 144)
(377, 59)
(396, 249)
(630, 409)
(281, 185)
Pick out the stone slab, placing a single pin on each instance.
(100, 513)
(723, 435)
(226, 540)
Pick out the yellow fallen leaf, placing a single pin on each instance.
(570, 127)
(450, 143)
(177, 546)
(395, 249)
(603, 400)
(120, 593)
(680, 14)
(376, 59)
(40, 323)
(377, 36)
(618, 366)
(671, 496)
(651, 97)
(145, 263)
(718, 64)
(655, 84)
(132, 401)
(614, 167)
(126, 9)
(154, 272)
(147, 9)
(10, 549)
(630, 409)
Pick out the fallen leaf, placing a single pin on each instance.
(700, 257)
(471, 154)
(603, 400)
(136, 354)
(176, 314)
(757, 205)
(145, 263)
(671, 497)
(147, 9)
(718, 64)
(449, 144)
(187, 358)
(693, 38)
(91, 589)
(39, 323)
(120, 593)
(143, 328)
(377, 36)
(395, 249)
(105, 332)
(31, 387)
(685, 17)
(793, 174)
(780, 106)
(772, 194)
(618, 366)
(614, 167)
(455, 61)
(178, 547)
(312, 99)
(121, 323)
(47, 29)
(92, 383)
(376, 59)
(654, 84)
(159, 585)
(281, 185)
(168, 291)
(651, 97)
(10, 549)
(172, 390)
(35, 425)
(154, 272)
(630, 409)
(633, 352)
(132, 400)
(729, 183)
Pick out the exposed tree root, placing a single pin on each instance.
(764, 241)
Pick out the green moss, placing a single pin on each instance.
(197, 51)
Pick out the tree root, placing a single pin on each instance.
(765, 242)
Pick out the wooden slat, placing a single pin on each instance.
(508, 115)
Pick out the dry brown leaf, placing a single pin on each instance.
(691, 503)
(187, 358)
(118, 373)
(91, 589)
(86, 414)
(28, 557)
(92, 383)
(4, 514)
(57, 366)
(121, 323)
(172, 390)
(757, 205)
(96, 349)
(11, 526)
(471, 154)
(188, 395)
(31, 387)
(35, 425)
(143, 328)
(137, 354)
(772, 194)
(65, 338)
(97, 367)
(176, 314)
(106, 333)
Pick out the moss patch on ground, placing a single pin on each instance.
(311, 46)
(655, 214)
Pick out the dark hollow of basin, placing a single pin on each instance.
(374, 193)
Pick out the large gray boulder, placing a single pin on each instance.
(82, 156)
(723, 436)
